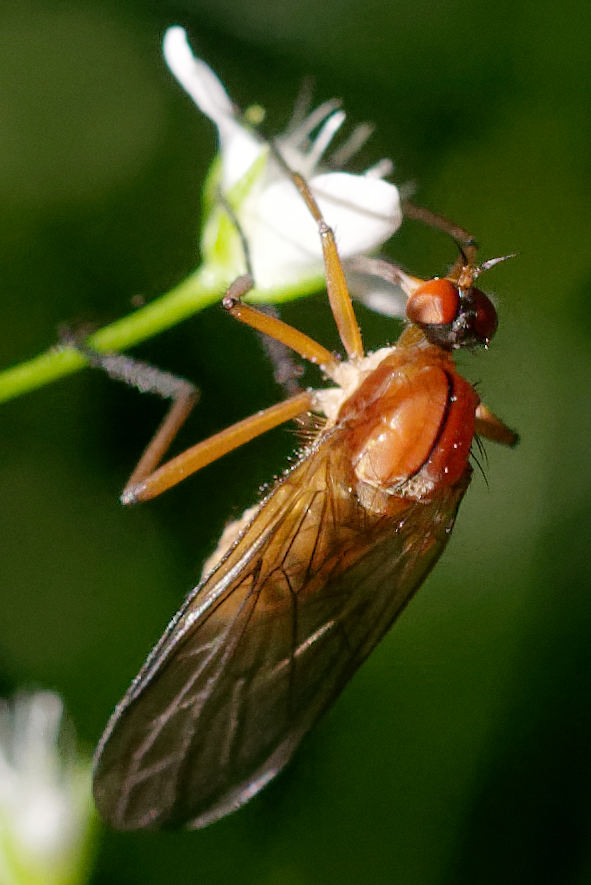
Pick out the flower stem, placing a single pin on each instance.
(193, 294)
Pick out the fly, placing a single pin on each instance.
(305, 584)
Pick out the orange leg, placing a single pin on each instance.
(274, 327)
(211, 449)
(147, 482)
(384, 270)
(491, 427)
(464, 239)
(148, 479)
(148, 379)
(160, 442)
(392, 273)
(336, 285)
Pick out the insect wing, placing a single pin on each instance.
(262, 646)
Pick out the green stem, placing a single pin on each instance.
(198, 291)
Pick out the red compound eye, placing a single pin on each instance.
(434, 303)
(450, 316)
(484, 322)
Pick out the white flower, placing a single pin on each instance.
(364, 210)
(45, 799)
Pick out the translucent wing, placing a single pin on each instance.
(264, 644)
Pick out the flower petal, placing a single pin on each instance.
(45, 799)
(364, 211)
(239, 148)
(196, 78)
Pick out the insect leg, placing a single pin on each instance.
(336, 285)
(148, 480)
(211, 449)
(148, 379)
(275, 328)
(285, 369)
(384, 270)
(464, 239)
(491, 427)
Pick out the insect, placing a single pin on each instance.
(304, 585)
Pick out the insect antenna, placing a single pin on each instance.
(492, 262)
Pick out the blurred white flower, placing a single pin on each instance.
(46, 809)
(364, 210)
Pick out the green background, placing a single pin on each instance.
(461, 751)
